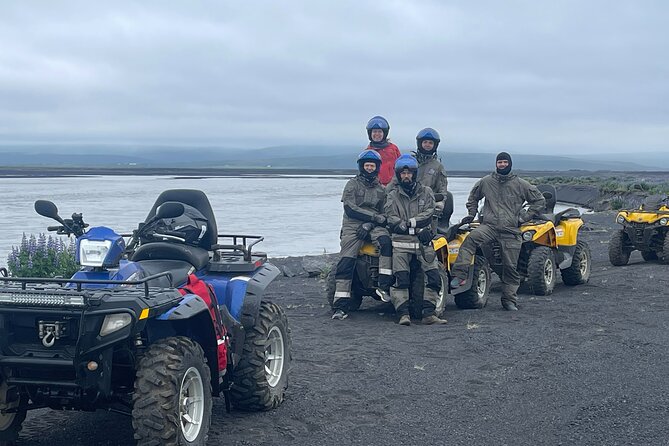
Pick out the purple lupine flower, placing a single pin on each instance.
(24, 242)
(41, 242)
(51, 244)
(32, 246)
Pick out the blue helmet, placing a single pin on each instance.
(428, 134)
(406, 162)
(369, 156)
(378, 122)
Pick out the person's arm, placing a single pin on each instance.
(394, 221)
(535, 200)
(474, 197)
(351, 209)
(424, 218)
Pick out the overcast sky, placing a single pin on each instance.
(528, 76)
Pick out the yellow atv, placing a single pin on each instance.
(474, 293)
(645, 229)
(550, 242)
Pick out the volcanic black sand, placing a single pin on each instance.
(586, 365)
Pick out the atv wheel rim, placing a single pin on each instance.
(6, 419)
(548, 272)
(191, 404)
(274, 356)
(584, 265)
(440, 298)
(481, 284)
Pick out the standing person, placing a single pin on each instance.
(503, 212)
(431, 172)
(377, 132)
(363, 219)
(410, 209)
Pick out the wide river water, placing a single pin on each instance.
(297, 215)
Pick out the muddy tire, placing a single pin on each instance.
(541, 271)
(172, 399)
(477, 296)
(11, 423)
(581, 266)
(665, 249)
(649, 255)
(261, 377)
(619, 255)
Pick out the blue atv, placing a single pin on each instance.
(152, 328)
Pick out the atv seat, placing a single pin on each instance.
(563, 215)
(198, 200)
(179, 270)
(194, 256)
(550, 194)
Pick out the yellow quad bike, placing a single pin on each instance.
(365, 279)
(550, 242)
(645, 229)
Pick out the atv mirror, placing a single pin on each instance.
(169, 209)
(47, 209)
(547, 195)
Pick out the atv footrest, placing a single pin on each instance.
(41, 382)
(36, 362)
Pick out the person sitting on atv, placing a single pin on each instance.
(431, 172)
(503, 213)
(363, 219)
(377, 132)
(410, 209)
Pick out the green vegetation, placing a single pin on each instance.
(42, 257)
(608, 185)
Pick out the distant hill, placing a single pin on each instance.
(305, 157)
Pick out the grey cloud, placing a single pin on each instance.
(529, 75)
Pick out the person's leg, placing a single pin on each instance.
(399, 294)
(350, 245)
(381, 238)
(510, 244)
(428, 262)
(479, 236)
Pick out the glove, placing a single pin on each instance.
(380, 219)
(401, 228)
(523, 217)
(467, 219)
(425, 236)
(363, 231)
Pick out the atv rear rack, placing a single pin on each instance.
(24, 281)
(237, 256)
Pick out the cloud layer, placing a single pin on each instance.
(529, 76)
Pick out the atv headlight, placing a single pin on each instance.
(620, 219)
(527, 235)
(664, 221)
(93, 252)
(114, 322)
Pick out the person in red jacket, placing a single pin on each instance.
(377, 131)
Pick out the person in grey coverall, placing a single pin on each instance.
(503, 212)
(431, 172)
(363, 199)
(410, 210)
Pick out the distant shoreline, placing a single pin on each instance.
(204, 172)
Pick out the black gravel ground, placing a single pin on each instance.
(586, 365)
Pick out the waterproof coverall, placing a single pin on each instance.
(363, 200)
(416, 209)
(501, 217)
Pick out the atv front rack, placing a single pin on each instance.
(237, 256)
(24, 281)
